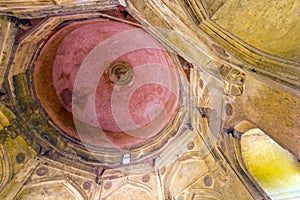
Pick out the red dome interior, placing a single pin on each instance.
(142, 101)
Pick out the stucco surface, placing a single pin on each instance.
(271, 26)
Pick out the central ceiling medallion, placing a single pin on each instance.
(120, 73)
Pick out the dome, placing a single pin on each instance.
(109, 77)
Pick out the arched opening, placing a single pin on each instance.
(275, 169)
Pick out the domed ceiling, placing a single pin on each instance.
(148, 99)
(111, 77)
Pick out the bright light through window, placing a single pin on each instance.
(274, 168)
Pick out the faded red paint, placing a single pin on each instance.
(70, 54)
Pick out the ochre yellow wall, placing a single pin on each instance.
(271, 26)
